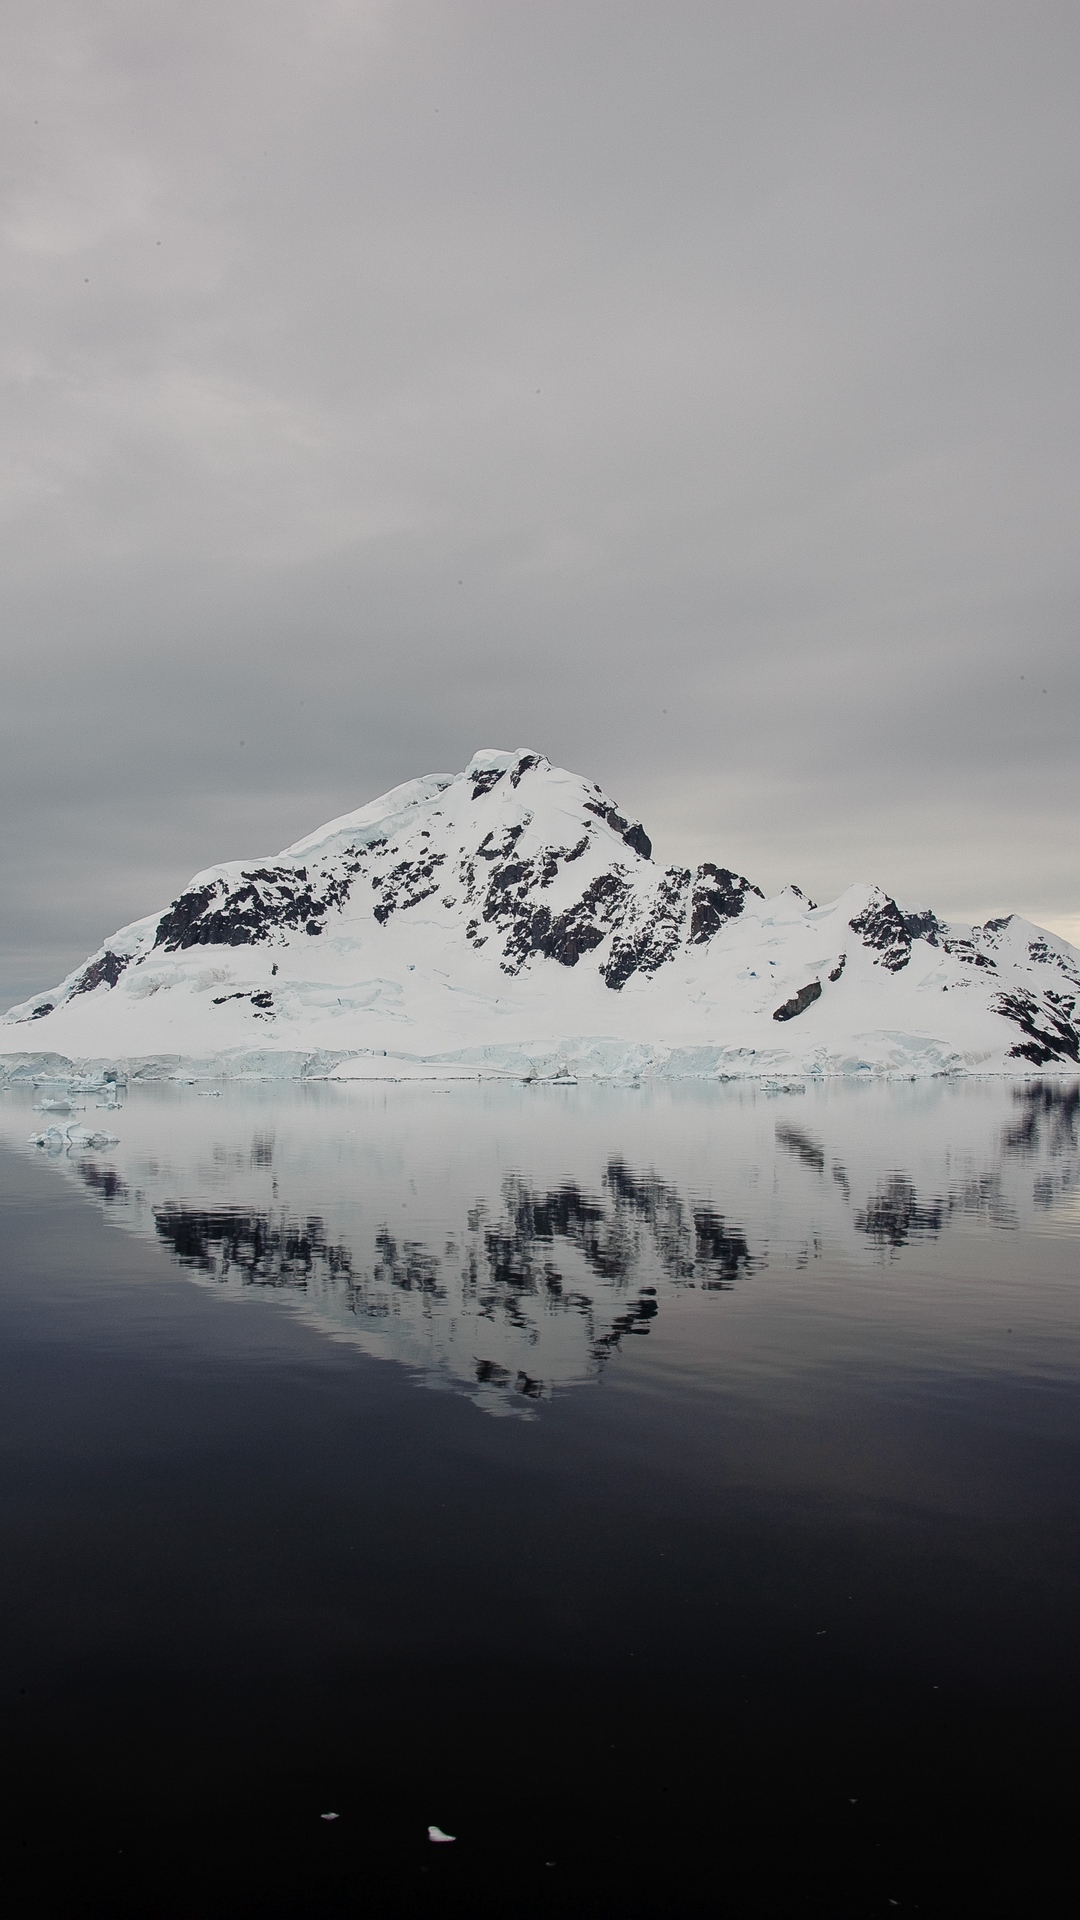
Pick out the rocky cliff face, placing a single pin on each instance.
(518, 894)
(534, 896)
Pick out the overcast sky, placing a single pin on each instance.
(686, 390)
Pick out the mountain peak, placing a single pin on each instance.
(514, 900)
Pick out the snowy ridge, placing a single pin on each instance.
(510, 919)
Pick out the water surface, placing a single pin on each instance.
(731, 1565)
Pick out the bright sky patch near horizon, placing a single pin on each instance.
(689, 392)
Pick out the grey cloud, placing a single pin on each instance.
(386, 381)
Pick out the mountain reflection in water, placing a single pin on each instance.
(501, 1246)
(500, 1270)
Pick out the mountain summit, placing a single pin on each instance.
(511, 917)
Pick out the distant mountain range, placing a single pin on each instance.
(510, 919)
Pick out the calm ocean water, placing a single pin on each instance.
(670, 1492)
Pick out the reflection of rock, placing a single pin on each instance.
(250, 1246)
(801, 1145)
(491, 1241)
(1048, 1114)
(895, 1215)
(506, 1273)
(720, 1254)
(103, 1180)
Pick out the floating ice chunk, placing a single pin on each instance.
(87, 1137)
(437, 1834)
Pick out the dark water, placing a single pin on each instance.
(673, 1494)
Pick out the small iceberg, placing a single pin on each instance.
(95, 1137)
(82, 1137)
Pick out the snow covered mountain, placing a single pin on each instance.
(509, 918)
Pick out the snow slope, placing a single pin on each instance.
(510, 919)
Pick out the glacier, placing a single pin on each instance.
(509, 920)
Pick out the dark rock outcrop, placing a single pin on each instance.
(718, 895)
(881, 927)
(105, 971)
(642, 945)
(923, 925)
(268, 899)
(1048, 1023)
(634, 835)
(799, 1001)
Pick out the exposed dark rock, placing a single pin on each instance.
(644, 945)
(483, 781)
(1045, 955)
(638, 841)
(1049, 1025)
(108, 970)
(839, 968)
(799, 1001)
(410, 882)
(269, 899)
(492, 849)
(923, 925)
(174, 926)
(40, 1012)
(881, 927)
(635, 836)
(564, 936)
(527, 760)
(718, 895)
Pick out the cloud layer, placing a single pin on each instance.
(690, 392)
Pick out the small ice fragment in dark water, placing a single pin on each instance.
(328, 1816)
(437, 1834)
